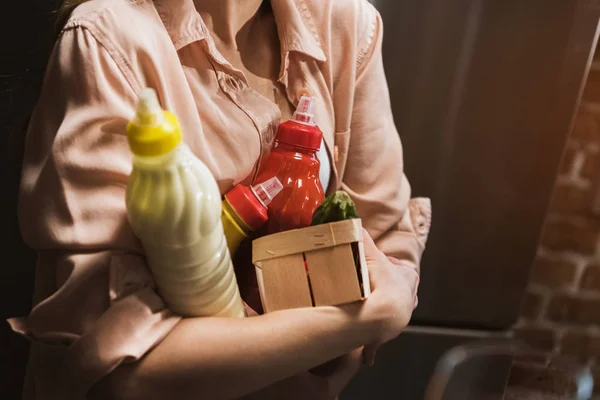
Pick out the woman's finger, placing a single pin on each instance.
(249, 311)
(403, 263)
(411, 277)
(371, 250)
(345, 371)
(369, 354)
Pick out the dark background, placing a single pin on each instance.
(26, 36)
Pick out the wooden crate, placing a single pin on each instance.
(313, 266)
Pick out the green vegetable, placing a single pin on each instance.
(336, 207)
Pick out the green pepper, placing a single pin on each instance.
(336, 207)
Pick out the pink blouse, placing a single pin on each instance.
(95, 302)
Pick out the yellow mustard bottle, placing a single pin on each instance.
(245, 210)
(174, 207)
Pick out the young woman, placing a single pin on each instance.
(230, 70)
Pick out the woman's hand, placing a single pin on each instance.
(345, 368)
(393, 298)
(322, 383)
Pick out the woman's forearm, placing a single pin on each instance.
(220, 358)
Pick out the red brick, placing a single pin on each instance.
(580, 344)
(591, 278)
(567, 236)
(585, 127)
(575, 310)
(571, 200)
(592, 87)
(589, 169)
(537, 337)
(568, 157)
(554, 274)
(531, 308)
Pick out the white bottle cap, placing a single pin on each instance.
(305, 111)
(265, 192)
(148, 111)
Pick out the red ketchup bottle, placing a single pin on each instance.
(294, 162)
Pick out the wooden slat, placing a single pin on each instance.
(284, 283)
(306, 239)
(364, 270)
(333, 276)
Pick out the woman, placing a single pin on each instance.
(230, 70)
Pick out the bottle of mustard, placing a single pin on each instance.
(245, 210)
(174, 207)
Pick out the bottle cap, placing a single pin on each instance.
(305, 111)
(152, 132)
(250, 204)
(266, 191)
(302, 130)
(247, 206)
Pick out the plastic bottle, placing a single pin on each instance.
(294, 162)
(174, 207)
(245, 210)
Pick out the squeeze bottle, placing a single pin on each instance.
(174, 208)
(245, 210)
(294, 162)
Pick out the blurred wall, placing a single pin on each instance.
(561, 311)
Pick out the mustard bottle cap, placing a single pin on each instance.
(153, 131)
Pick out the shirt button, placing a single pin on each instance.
(303, 92)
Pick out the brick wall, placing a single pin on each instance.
(561, 311)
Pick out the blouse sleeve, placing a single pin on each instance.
(374, 173)
(97, 304)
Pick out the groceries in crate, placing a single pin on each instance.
(174, 207)
(333, 278)
(299, 265)
(293, 160)
(245, 210)
(337, 206)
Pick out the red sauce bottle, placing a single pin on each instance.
(294, 162)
